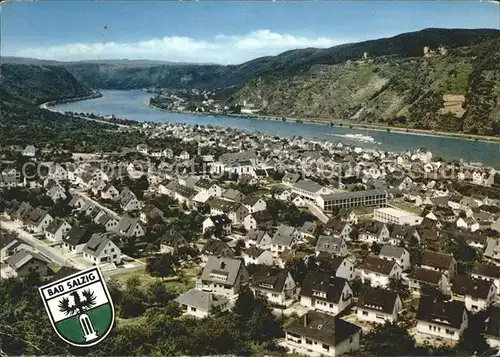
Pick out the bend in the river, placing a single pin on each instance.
(135, 105)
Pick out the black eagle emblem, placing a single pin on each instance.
(79, 305)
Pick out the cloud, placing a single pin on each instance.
(223, 49)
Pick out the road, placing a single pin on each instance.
(94, 202)
(47, 251)
(47, 107)
(315, 210)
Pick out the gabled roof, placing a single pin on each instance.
(268, 278)
(308, 227)
(332, 286)
(35, 216)
(329, 244)
(201, 300)
(437, 311)
(377, 299)
(485, 269)
(172, 238)
(233, 194)
(22, 257)
(255, 236)
(426, 275)
(397, 231)
(436, 260)
(214, 247)
(55, 225)
(220, 220)
(323, 328)
(250, 200)
(377, 265)
(283, 240)
(391, 251)
(77, 235)
(308, 186)
(465, 285)
(222, 270)
(254, 252)
(373, 227)
(96, 245)
(262, 216)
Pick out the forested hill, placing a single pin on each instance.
(32, 85)
(455, 89)
(142, 74)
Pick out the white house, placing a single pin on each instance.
(130, 227)
(56, 230)
(275, 284)
(378, 272)
(374, 232)
(478, 294)
(109, 192)
(341, 267)
(444, 319)
(258, 239)
(468, 223)
(202, 304)
(378, 305)
(421, 277)
(441, 262)
(316, 334)
(489, 272)
(257, 256)
(280, 242)
(37, 220)
(324, 293)
(223, 276)
(221, 224)
(254, 204)
(331, 245)
(396, 254)
(100, 250)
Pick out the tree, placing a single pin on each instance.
(240, 244)
(472, 341)
(157, 293)
(398, 286)
(389, 340)
(160, 265)
(375, 248)
(132, 304)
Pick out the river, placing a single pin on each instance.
(135, 105)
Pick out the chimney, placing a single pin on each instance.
(305, 319)
(222, 265)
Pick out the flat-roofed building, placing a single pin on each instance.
(377, 197)
(396, 216)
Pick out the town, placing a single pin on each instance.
(338, 240)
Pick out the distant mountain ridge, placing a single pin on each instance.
(125, 74)
(125, 62)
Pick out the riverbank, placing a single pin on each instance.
(46, 105)
(350, 125)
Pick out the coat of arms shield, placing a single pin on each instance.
(80, 307)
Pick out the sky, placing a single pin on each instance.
(225, 32)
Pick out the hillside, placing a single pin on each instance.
(30, 84)
(124, 74)
(456, 91)
(128, 76)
